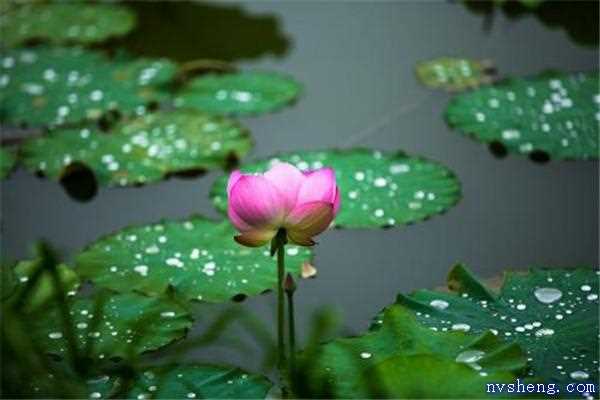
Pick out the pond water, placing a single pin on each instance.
(356, 61)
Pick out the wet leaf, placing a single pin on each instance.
(197, 257)
(245, 93)
(377, 189)
(556, 114)
(552, 314)
(7, 162)
(127, 323)
(53, 86)
(453, 74)
(355, 367)
(65, 23)
(143, 150)
(199, 382)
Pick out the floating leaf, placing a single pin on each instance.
(198, 257)
(7, 162)
(242, 93)
(199, 382)
(142, 150)
(126, 322)
(378, 189)
(44, 289)
(345, 366)
(552, 314)
(42, 86)
(453, 74)
(187, 381)
(556, 114)
(65, 23)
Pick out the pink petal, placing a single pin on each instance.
(255, 238)
(287, 179)
(235, 219)
(254, 201)
(318, 185)
(308, 220)
(233, 178)
(336, 201)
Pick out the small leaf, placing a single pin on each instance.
(7, 162)
(246, 93)
(65, 23)
(54, 86)
(142, 150)
(552, 314)
(377, 189)
(453, 74)
(345, 366)
(197, 257)
(556, 114)
(124, 324)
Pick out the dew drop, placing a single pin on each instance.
(461, 327)
(547, 295)
(55, 335)
(579, 375)
(586, 288)
(439, 304)
(365, 355)
(470, 356)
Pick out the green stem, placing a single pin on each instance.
(279, 247)
(291, 330)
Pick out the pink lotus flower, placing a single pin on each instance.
(302, 203)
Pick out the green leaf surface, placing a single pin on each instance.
(116, 327)
(53, 86)
(245, 93)
(377, 189)
(453, 74)
(181, 381)
(197, 257)
(402, 344)
(65, 23)
(551, 314)
(199, 382)
(44, 290)
(425, 376)
(556, 114)
(7, 162)
(145, 149)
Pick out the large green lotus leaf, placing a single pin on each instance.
(426, 376)
(378, 189)
(198, 257)
(64, 23)
(142, 150)
(53, 86)
(239, 93)
(127, 323)
(44, 289)
(453, 74)
(345, 366)
(552, 314)
(182, 381)
(556, 114)
(7, 162)
(199, 382)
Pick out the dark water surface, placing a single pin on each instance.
(356, 61)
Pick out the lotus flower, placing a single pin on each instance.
(302, 203)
